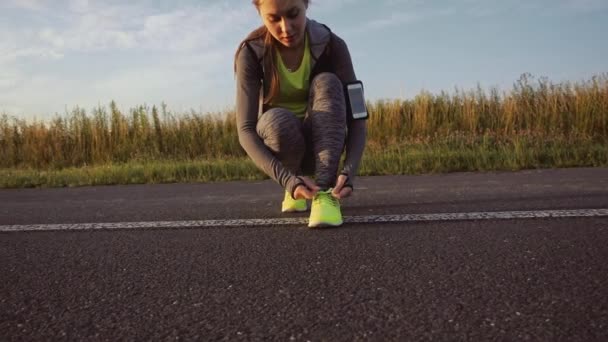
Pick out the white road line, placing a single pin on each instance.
(501, 215)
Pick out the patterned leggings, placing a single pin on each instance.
(314, 145)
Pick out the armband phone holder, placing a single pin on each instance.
(355, 101)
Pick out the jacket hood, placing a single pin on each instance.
(318, 38)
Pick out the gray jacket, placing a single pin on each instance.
(329, 54)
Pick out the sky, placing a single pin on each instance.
(56, 55)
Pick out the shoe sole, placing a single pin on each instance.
(294, 210)
(324, 225)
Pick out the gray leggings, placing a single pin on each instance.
(314, 145)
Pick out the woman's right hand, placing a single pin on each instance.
(308, 190)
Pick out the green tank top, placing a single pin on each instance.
(294, 86)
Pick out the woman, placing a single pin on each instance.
(291, 112)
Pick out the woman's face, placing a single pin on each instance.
(285, 20)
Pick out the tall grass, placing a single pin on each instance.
(78, 139)
(533, 112)
(542, 110)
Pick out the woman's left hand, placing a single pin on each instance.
(340, 191)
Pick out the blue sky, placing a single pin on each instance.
(56, 55)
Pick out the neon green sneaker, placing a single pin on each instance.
(325, 211)
(291, 205)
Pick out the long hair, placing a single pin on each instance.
(270, 69)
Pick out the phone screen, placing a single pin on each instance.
(357, 102)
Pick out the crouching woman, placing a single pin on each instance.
(291, 109)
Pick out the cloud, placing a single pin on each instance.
(15, 47)
(37, 95)
(184, 69)
(9, 79)
(32, 5)
(81, 25)
(152, 51)
(79, 6)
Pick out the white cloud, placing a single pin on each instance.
(78, 6)
(9, 79)
(34, 5)
(84, 26)
(188, 47)
(184, 69)
(185, 43)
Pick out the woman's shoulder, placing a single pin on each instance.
(321, 34)
(255, 39)
(318, 33)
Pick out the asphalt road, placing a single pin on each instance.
(542, 279)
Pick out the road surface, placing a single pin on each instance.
(464, 256)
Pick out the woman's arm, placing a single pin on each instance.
(248, 85)
(357, 129)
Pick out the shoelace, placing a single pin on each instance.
(325, 197)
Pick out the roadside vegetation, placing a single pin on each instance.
(538, 124)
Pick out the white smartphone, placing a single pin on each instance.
(356, 101)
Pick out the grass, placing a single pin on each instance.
(133, 173)
(418, 158)
(537, 124)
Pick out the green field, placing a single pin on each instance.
(537, 124)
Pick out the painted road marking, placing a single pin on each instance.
(501, 215)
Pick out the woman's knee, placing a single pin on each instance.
(281, 132)
(277, 121)
(327, 94)
(326, 81)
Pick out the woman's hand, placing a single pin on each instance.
(308, 190)
(340, 191)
